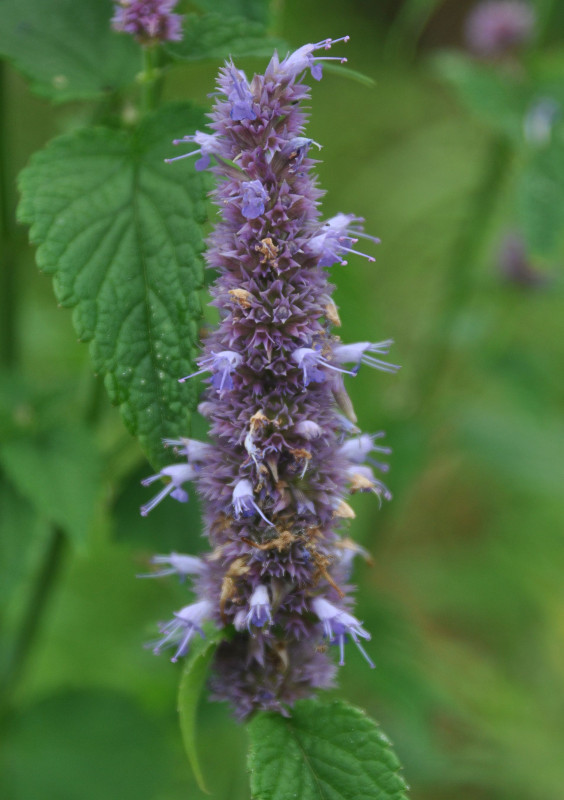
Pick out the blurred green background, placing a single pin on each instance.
(465, 599)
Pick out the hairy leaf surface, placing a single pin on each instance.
(119, 231)
(323, 751)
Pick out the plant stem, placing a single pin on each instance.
(460, 273)
(33, 615)
(8, 307)
(150, 79)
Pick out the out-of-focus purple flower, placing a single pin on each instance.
(180, 630)
(178, 474)
(337, 624)
(496, 27)
(515, 265)
(149, 21)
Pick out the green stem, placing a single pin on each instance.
(8, 306)
(33, 616)
(460, 273)
(151, 80)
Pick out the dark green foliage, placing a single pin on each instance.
(323, 751)
(119, 230)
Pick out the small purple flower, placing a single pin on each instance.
(259, 608)
(178, 474)
(193, 449)
(244, 502)
(309, 359)
(359, 353)
(308, 429)
(303, 58)
(254, 196)
(180, 630)
(175, 564)
(336, 237)
(358, 448)
(221, 364)
(496, 27)
(209, 146)
(149, 21)
(240, 97)
(337, 624)
(297, 149)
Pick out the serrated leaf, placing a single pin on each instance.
(189, 691)
(119, 230)
(220, 36)
(324, 751)
(67, 50)
(59, 472)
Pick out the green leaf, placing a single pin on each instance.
(189, 691)
(87, 744)
(120, 232)
(218, 35)
(496, 99)
(324, 751)
(67, 50)
(59, 472)
(252, 10)
(540, 197)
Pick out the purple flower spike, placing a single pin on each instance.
(337, 624)
(182, 628)
(259, 608)
(179, 474)
(149, 21)
(284, 452)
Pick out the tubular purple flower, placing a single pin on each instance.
(308, 359)
(180, 630)
(244, 502)
(303, 58)
(222, 364)
(178, 474)
(240, 96)
(193, 449)
(259, 608)
(254, 197)
(175, 564)
(358, 448)
(209, 146)
(337, 624)
(358, 353)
